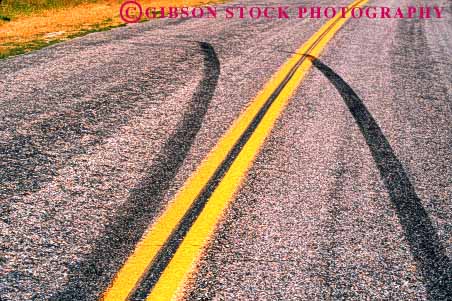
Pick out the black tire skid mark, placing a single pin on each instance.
(422, 237)
(89, 278)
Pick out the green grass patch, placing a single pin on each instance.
(21, 48)
(13, 8)
(16, 49)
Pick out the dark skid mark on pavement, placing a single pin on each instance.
(27, 162)
(20, 162)
(90, 277)
(330, 249)
(163, 258)
(422, 237)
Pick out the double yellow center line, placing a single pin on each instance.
(226, 165)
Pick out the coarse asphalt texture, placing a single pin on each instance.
(350, 198)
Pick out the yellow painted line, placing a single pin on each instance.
(170, 286)
(171, 283)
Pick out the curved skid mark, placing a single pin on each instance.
(420, 233)
(127, 227)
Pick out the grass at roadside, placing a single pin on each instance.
(27, 25)
(38, 23)
(14, 8)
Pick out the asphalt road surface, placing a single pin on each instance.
(350, 197)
